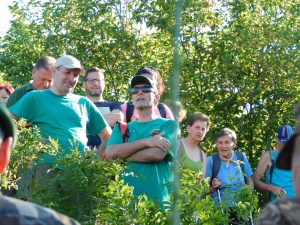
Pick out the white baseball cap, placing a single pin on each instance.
(69, 62)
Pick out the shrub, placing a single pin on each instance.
(92, 191)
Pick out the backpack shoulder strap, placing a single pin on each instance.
(129, 111)
(162, 110)
(179, 148)
(201, 155)
(124, 130)
(271, 169)
(215, 167)
(240, 157)
(272, 165)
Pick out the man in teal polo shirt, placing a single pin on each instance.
(42, 80)
(60, 114)
(14, 211)
(149, 151)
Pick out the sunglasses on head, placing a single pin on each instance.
(144, 89)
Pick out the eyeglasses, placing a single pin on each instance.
(92, 81)
(144, 89)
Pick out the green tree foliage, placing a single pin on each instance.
(239, 58)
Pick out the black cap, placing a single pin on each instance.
(140, 79)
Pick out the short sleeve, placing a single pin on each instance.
(116, 136)
(247, 168)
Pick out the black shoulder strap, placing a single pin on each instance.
(124, 130)
(271, 170)
(129, 111)
(162, 110)
(215, 167)
(240, 157)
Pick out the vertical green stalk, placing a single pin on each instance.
(174, 84)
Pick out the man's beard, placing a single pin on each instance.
(94, 94)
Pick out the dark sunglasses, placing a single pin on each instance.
(144, 89)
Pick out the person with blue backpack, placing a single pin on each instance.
(228, 170)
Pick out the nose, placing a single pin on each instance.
(140, 91)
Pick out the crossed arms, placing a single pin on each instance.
(157, 147)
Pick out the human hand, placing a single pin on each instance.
(216, 182)
(158, 141)
(277, 191)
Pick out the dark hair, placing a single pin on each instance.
(159, 81)
(198, 116)
(9, 89)
(93, 69)
(226, 131)
(46, 63)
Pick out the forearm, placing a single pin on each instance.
(148, 155)
(249, 182)
(124, 150)
(259, 185)
(101, 148)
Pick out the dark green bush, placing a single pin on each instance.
(92, 191)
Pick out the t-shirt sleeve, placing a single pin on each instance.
(96, 121)
(25, 107)
(247, 168)
(13, 98)
(116, 136)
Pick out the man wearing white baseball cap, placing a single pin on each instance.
(60, 114)
(69, 62)
(15, 211)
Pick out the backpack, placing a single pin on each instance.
(130, 109)
(124, 130)
(271, 169)
(217, 164)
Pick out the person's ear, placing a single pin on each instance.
(188, 128)
(33, 72)
(53, 71)
(5, 153)
(234, 143)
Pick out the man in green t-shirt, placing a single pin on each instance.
(15, 211)
(41, 80)
(149, 150)
(60, 114)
